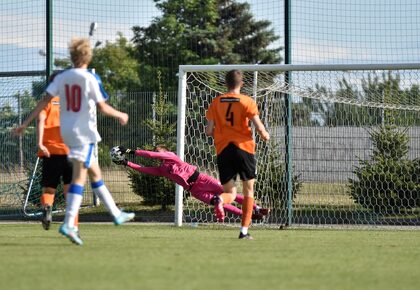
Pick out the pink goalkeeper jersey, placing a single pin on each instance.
(172, 167)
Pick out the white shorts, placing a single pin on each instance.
(88, 154)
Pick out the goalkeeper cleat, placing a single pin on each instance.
(71, 234)
(257, 216)
(260, 213)
(218, 209)
(46, 217)
(264, 211)
(245, 237)
(123, 217)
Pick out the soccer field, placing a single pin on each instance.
(139, 256)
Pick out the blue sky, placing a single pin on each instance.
(323, 31)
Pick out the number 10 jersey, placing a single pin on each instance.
(79, 91)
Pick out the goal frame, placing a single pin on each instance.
(182, 95)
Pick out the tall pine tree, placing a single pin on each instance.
(201, 32)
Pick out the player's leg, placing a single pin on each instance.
(259, 212)
(206, 188)
(229, 192)
(247, 207)
(47, 201)
(99, 188)
(67, 173)
(81, 158)
(246, 169)
(214, 186)
(74, 194)
(49, 182)
(73, 201)
(227, 176)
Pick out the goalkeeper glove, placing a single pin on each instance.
(126, 150)
(121, 162)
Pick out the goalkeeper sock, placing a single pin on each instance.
(47, 199)
(247, 212)
(240, 199)
(103, 193)
(73, 202)
(232, 209)
(227, 197)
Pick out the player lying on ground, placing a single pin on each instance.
(202, 186)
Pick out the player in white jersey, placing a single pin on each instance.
(81, 94)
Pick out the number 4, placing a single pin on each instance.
(229, 114)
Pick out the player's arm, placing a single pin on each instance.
(107, 110)
(156, 155)
(147, 170)
(35, 112)
(210, 128)
(40, 133)
(119, 151)
(259, 127)
(149, 154)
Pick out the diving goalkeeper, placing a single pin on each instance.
(202, 186)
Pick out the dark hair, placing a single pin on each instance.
(233, 78)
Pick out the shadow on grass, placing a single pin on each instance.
(308, 214)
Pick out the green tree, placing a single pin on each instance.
(388, 183)
(386, 88)
(117, 66)
(201, 32)
(157, 190)
(271, 184)
(242, 39)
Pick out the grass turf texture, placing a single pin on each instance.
(139, 256)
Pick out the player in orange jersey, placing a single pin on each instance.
(53, 152)
(228, 122)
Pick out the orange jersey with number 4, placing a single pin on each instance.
(52, 137)
(231, 114)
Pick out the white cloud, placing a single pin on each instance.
(22, 30)
(27, 31)
(319, 51)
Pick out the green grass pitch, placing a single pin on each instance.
(150, 256)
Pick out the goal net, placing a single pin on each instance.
(344, 148)
(20, 169)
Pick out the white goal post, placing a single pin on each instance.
(316, 90)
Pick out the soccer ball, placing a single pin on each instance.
(116, 154)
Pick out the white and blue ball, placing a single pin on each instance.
(116, 154)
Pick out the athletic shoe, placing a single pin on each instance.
(46, 217)
(123, 217)
(245, 237)
(218, 209)
(77, 232)
(71, 234)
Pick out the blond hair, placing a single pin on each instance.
(80, 51)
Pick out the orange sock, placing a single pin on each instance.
(47, 199)
(247, 207)
(76, 220)
(227, 197)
